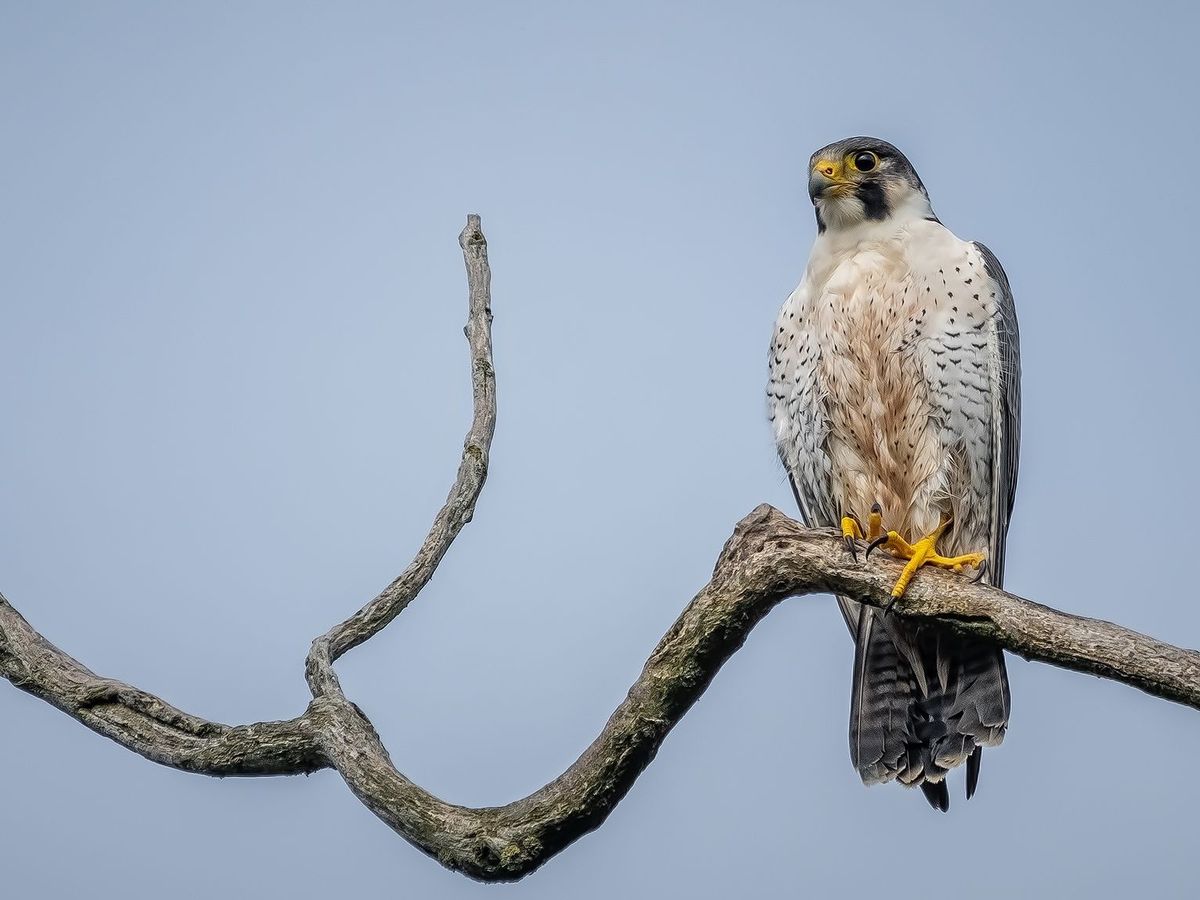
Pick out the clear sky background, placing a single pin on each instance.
(233, 388)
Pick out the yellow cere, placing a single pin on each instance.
(829, 168)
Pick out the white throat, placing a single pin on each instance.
(847, 226)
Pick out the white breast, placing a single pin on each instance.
(880, 386)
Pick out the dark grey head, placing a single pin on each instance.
(863, 179)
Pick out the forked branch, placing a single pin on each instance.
(768, 558)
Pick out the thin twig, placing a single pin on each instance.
(460, 504)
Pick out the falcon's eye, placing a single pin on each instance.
(865, 161)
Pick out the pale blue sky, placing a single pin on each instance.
(233, 387)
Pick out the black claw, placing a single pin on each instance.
(876, 508)
(887, 607)
(983, 566)
(879, 541)
(851, 545)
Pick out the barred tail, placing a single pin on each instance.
(924, 700)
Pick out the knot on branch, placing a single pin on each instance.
(471, 237)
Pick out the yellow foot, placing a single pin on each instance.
(852, 531)
(922, 553)
(875, 523)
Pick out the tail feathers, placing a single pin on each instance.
(937, 794)
(973, 762)
(924, 701)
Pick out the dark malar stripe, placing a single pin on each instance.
(874, 200)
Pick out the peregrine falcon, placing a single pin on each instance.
(895, 401)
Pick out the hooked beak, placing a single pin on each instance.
(825, 177)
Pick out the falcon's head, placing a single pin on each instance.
(864, 179)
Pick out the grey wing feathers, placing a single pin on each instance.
(851, 609)
(805, 516)
(1007, 418)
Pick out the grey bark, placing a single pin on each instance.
(768, 558)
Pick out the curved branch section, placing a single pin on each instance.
(769, 557)
(147, 725)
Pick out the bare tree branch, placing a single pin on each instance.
(768, 558)
(144, 723)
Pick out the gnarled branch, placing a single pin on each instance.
(768, 558)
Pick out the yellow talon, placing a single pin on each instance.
(923, 553)
(875, 523)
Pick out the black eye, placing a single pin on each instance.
(865, 161)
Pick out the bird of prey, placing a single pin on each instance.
(895, 401)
